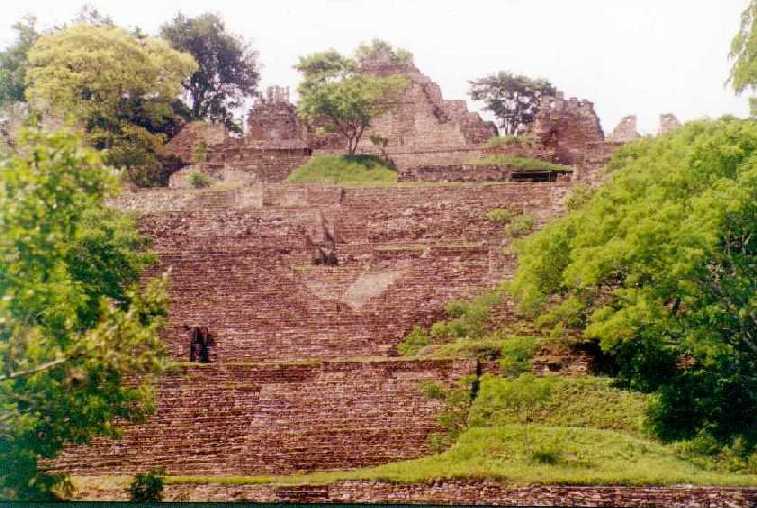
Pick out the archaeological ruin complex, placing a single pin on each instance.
(288, 363)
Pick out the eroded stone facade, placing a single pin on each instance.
(625, 131)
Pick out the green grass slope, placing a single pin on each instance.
(344, 169)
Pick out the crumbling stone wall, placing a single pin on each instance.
(273, 118)
(625, 131)
(668, 123)
(186, 144)
(423, 124)
(567, 128)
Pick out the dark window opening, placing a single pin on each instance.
(200, 343)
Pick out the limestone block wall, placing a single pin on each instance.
(256, 419)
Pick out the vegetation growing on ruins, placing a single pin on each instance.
(116, 86)
(344, 169)
(659, 266)
(524, 140)
(512, 98)
(335, 94)
(521, 163)
(379, 50)
(227, 73)
(578, 456)
(73, 321)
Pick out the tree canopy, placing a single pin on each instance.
(336, 94)
(744, 54)
(118, 87)
(380, 49)
(512, 98)
(659, 264)
(74, 324)
(228, 69)
(13, 61)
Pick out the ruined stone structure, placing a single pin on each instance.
(668, 123)
(625, 131)
(271, 149)
(568, 128)
(424, 127)
(274, 396)
(273, 119)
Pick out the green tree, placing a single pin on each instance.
(228, 70)
(382, 51)
(116, 86)
(744, 55)
(512, 98)
(13, 61)
(659, 264)
(334, 93)
(74, 324)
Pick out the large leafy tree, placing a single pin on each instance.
(74, 324)
(336, 94)
(660, 265)
(228, 70)
(117, 86)
(13, 61)
(512, 98)
(744, 54)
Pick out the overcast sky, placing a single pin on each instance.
(642, 57)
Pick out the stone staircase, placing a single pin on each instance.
(273, 399)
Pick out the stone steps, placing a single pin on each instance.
(277, 418)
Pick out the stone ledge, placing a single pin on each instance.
(451, 492)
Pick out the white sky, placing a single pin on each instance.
(642, 57)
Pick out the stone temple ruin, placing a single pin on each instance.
(288, 301)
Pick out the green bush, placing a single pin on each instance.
(454, 417)
(659, 264)
(339, 169)
(147, 487)
(414, 341)
(468, 318)
(520, 225)
(579, 194)
(198, 179)
(500, 215)
(516, 355)
(200, 153)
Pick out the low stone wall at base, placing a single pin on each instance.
(456, 492)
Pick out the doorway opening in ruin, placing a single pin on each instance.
(200, 342)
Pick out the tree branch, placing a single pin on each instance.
(38, 368)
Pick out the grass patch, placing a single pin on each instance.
(524, 140)
(521, 163)
(573, 402)
(199, 180)
(573, 456)
(338, 169)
